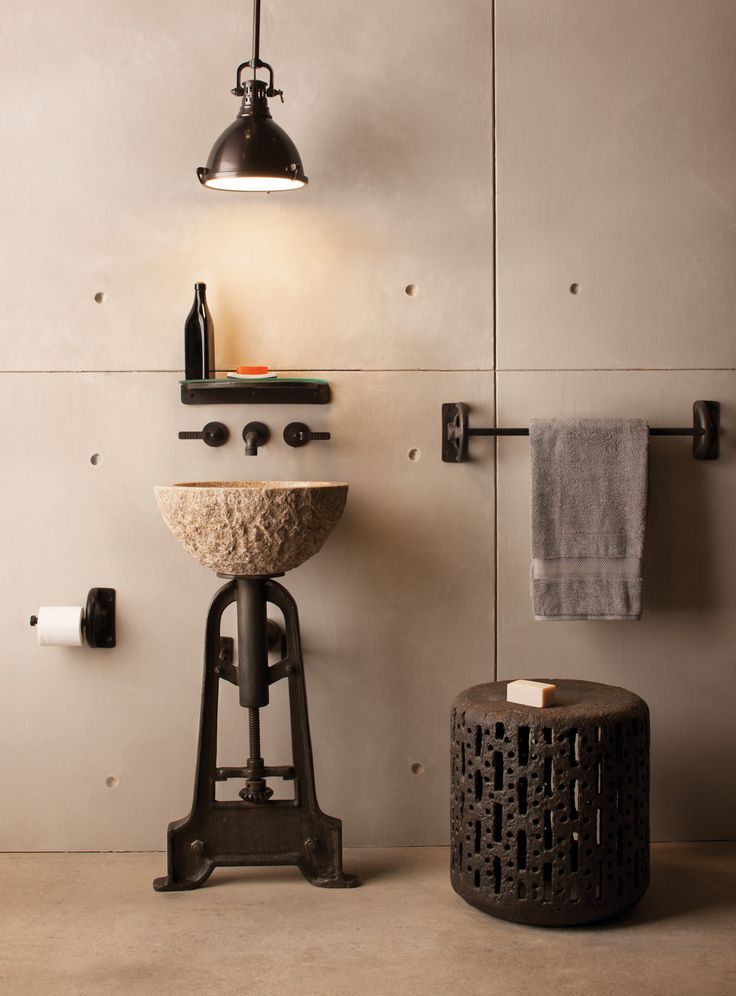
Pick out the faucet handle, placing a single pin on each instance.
(255, 434)
(214, 434)
(298, 434)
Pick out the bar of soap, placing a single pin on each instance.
(530, 693)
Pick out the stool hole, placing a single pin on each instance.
(574, 747)
(521, 791)
(496, 875)
(523, 745)
(547, 882)
(500, 730)
(497, 770)
(497, 820)
(547, 829)
(478, 785)
(477, 836)
(574, 852)
(597, 826)
(521, 849)
(478, 740)
(547, 734)
(547, 777)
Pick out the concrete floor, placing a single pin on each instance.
(91, 924)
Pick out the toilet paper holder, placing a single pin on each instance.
(98, 623)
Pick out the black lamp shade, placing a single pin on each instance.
(254, 153)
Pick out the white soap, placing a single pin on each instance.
(530, 693)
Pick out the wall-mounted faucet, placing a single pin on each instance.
(255, 434)
(298, 434)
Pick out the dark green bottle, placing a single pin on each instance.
(199, 339)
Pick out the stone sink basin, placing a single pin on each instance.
(252, 527)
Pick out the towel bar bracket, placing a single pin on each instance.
(456, 431)
(706, 430)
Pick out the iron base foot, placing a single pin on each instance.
(258, 830)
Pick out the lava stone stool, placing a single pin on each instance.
(550, 807)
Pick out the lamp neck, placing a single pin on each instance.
(254, 102)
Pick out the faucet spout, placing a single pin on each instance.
(255, 434)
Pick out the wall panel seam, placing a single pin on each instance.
(368, 370)
(494, 258)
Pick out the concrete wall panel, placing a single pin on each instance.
(680, 657)
(616, 153)
(396, 610)
(108, 109)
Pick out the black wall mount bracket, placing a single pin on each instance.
(456, 431)
(98, 621)
(99, 618)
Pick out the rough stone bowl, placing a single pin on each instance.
(252, 527)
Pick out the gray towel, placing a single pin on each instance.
(589, 503)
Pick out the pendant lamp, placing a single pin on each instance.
(254, 153)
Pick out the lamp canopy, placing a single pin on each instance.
(254, 153)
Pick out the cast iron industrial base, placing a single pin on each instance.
(258, 830)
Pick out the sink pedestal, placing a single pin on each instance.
(257, 830)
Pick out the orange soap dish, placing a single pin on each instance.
(251, 373)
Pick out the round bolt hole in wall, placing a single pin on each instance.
(100, 297)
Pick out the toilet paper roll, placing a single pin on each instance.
(60, 625)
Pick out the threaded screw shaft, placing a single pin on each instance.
(254, 734)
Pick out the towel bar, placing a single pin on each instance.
(456, 431)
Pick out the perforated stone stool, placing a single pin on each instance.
(550, 807)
